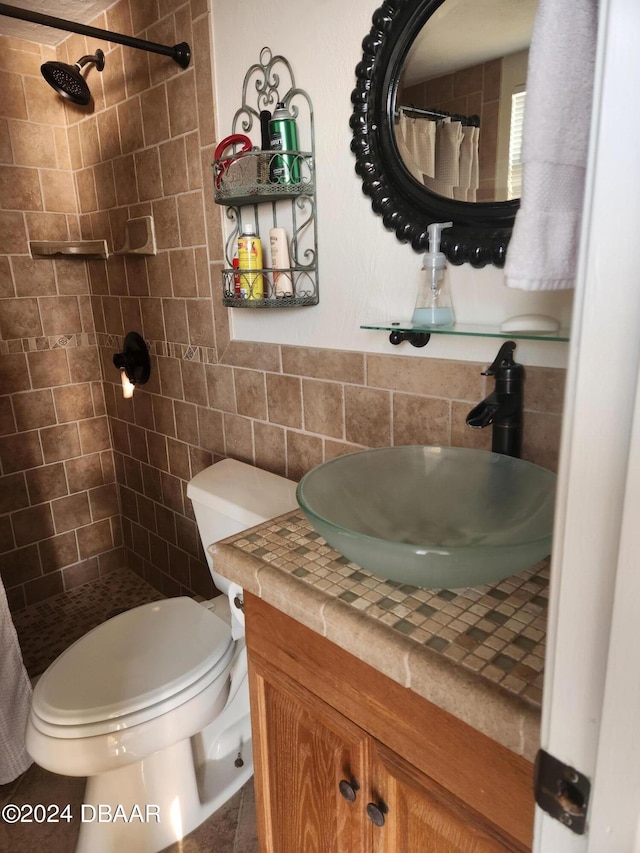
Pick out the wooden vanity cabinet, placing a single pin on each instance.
(348, 761)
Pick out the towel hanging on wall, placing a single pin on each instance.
(543, 251)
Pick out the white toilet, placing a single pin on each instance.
(152, 706)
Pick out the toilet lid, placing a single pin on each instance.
(133, 661)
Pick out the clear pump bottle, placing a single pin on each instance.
(433, 305)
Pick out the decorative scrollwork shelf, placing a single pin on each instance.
(243, 183)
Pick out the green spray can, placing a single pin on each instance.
(283, 134)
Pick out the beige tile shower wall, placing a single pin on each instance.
(59, 513)
(146, 149)
(155, 130)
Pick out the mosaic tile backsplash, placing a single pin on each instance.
(497, 630)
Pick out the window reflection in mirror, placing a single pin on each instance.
(460, 99)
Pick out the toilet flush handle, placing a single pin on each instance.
(238, 602)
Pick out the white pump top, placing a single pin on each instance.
(434, 258)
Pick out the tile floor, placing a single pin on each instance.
(232, 829)
(44, 631)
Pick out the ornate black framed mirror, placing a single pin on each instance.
(400, 30)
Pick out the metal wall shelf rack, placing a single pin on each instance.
(244, 184)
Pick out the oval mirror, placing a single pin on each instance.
(437, 120)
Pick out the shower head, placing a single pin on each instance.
(68, 81)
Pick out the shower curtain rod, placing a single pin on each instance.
(473, 121)
(181, 53)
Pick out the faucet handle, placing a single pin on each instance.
(503, 359)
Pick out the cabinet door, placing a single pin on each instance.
(422, 817)
(303, 750)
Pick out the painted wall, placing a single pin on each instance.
(365, 274)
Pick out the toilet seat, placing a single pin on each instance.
(134, 667)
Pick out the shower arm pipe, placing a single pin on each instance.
(181, 53)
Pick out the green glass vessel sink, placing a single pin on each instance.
(437, 517)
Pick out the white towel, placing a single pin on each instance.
(543, 251)
(15, 699)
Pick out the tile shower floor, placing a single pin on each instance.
(44, 631)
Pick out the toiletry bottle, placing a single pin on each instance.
(433, 305)
(283, 135)
(265, 144)
(250, 258)
(236, 279)
(282, 282)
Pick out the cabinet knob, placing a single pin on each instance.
(349, 789)
(376, 813)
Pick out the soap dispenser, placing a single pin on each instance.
(433, 305)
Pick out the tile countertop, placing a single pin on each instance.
(477, 653)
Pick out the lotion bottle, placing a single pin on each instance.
(282, 283)
(433, 305)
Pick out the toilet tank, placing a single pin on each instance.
(231, 496)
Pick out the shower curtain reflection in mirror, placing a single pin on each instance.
(441, 152)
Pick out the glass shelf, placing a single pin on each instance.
(405, 330)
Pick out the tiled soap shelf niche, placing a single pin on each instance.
(139, 239)
(242, 184)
